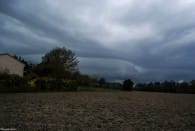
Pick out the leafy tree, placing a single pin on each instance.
(58, 63)
(128, 85)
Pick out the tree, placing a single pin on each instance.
(58, 63)
(128, 85)
(102, 82)
(193, 83)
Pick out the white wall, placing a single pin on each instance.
(11, 66)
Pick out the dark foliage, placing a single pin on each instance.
(12, 83)
(58, 63)
(102, 82)
(128, 85)
(56, 85)
(168, 86)
(41, 84)
(86, 80)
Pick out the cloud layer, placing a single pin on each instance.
(143, 40)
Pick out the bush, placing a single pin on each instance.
(128, 85)
(30, 76)
(56, 85)
(12, 83)
(41, 84)
(71, 85)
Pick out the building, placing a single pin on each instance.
(10, 65)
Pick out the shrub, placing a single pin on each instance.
(41, 84)
(55, 85)
(128, 85)
(70, 85)
(12, 83)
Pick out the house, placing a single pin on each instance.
(11, 65)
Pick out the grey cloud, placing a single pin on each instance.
(113, 39)
(113, 69)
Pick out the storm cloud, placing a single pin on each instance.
(143, 40)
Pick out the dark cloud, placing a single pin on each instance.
(151, 40)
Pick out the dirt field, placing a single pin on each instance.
(97, 111)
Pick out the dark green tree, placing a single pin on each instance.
(128, 85)
(58, 63)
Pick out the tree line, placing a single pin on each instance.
(58, 71)
(167, 86)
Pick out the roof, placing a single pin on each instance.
(3, 54)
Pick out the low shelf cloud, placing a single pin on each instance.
(143, 40)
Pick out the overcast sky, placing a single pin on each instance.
(144, 40)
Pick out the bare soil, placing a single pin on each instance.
(97, 111)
